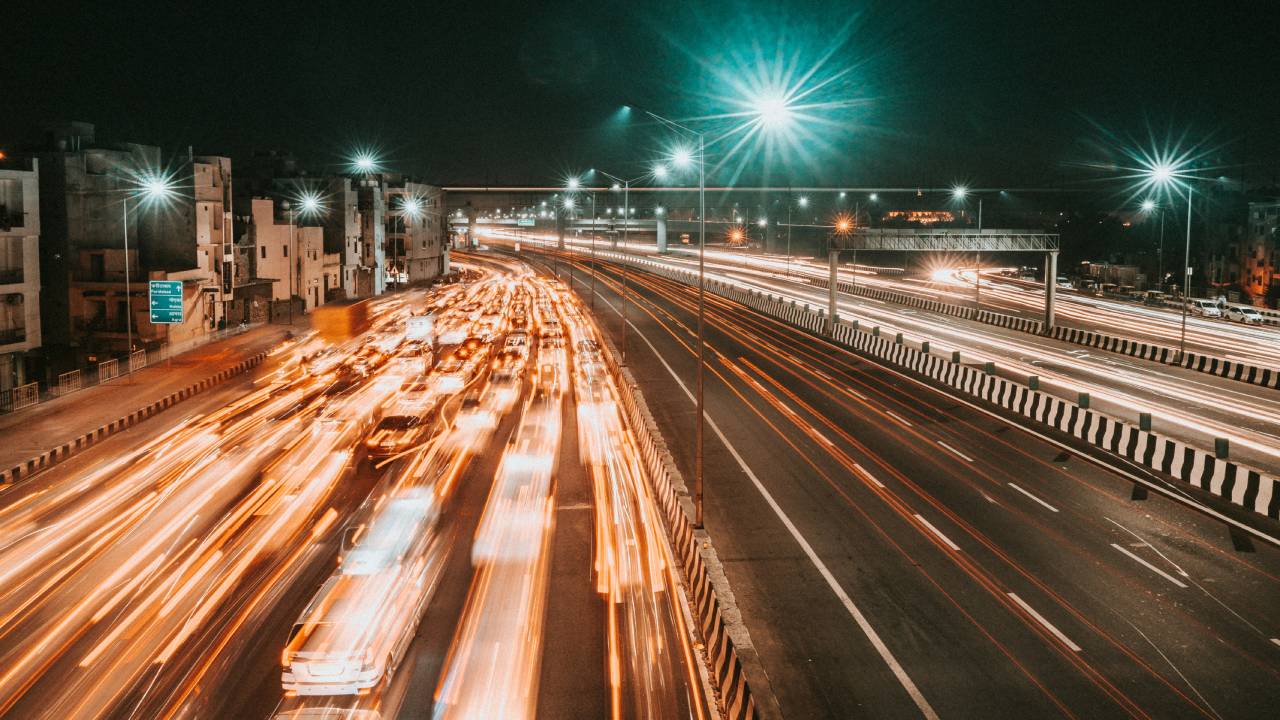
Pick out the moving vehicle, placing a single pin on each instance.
(355, 631)
(396, 433)
(340, 321)
(1244, 314)
(1204, 308)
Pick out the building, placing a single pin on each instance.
(417, 238)
(19, 271)
(342, 236)
(102, 241)
(1260, 273)
(371, 202)
(285, 254)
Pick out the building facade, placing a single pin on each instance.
(1260, 274)
(417, 240)
(19, 271)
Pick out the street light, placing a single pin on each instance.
(572, 184)
(1163, 174)
(660, 171)
(700, 402)
(410, 207)
(152, 188)
(625, 212)
(772, 111)
(1149, 206)
(959, 193)
(365, 162)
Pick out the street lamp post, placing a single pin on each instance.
(699, 395)
(625, 186)
(959, 193)
(1162, 174)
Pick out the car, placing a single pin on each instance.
(504, 389)
(473, 415)
(1204, 308)
(394, 434)
(1244, 314)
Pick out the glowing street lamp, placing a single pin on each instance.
(153, 188)
(1165, 174)
(660, 171)
(365, 162)
(762, 222)
(804, 202)
(682, 157)
(1148, 205)
(773, 111)
(572, 184)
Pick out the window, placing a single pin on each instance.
(264, 252)
(286, 250)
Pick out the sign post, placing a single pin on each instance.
(166, 302)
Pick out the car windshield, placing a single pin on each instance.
(398, 422)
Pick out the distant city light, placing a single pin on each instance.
(660, 171)
(874, 197)
(659, 210)
(615, 187)
(1148, 205)
(959, 191)
(573, 183)
(804, 202)
(568, 203)
(762, 222)
(411, 206)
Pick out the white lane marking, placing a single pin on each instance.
(937, 532)
(1047, 625)
(885, 654)
(1033, 497)
(869, 475)
(989, 498)
(1155, 549)
(1276, 641)
(957, 452)
(899, 418)
(1150, 567)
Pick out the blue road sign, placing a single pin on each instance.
(166, 302)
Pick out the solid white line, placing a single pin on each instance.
(957, 452)
(1033, 497)
(937, 532)
(885, 654)
(1048, 625)
(1276, 641)
(1151, 567)
(899, 418)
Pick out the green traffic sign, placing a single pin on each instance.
(166, 302)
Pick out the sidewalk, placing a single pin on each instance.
(29, 432)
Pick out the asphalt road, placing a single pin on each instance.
(1186, 405)
(158, 573)
(897, 553)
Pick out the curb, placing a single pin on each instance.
(49, 458)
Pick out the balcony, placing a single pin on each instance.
(12, 335)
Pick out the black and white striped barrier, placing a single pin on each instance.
(52, 457)
(1232, 370)
(1231, 481)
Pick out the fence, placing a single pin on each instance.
(19, 397)
(28, 395)
(108, 370)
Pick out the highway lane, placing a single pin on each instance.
(158, 573)
(1254, 344)
(1190, 406)
(982, 564)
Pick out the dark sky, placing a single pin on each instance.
(910, 92)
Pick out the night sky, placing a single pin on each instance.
(907, 92)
